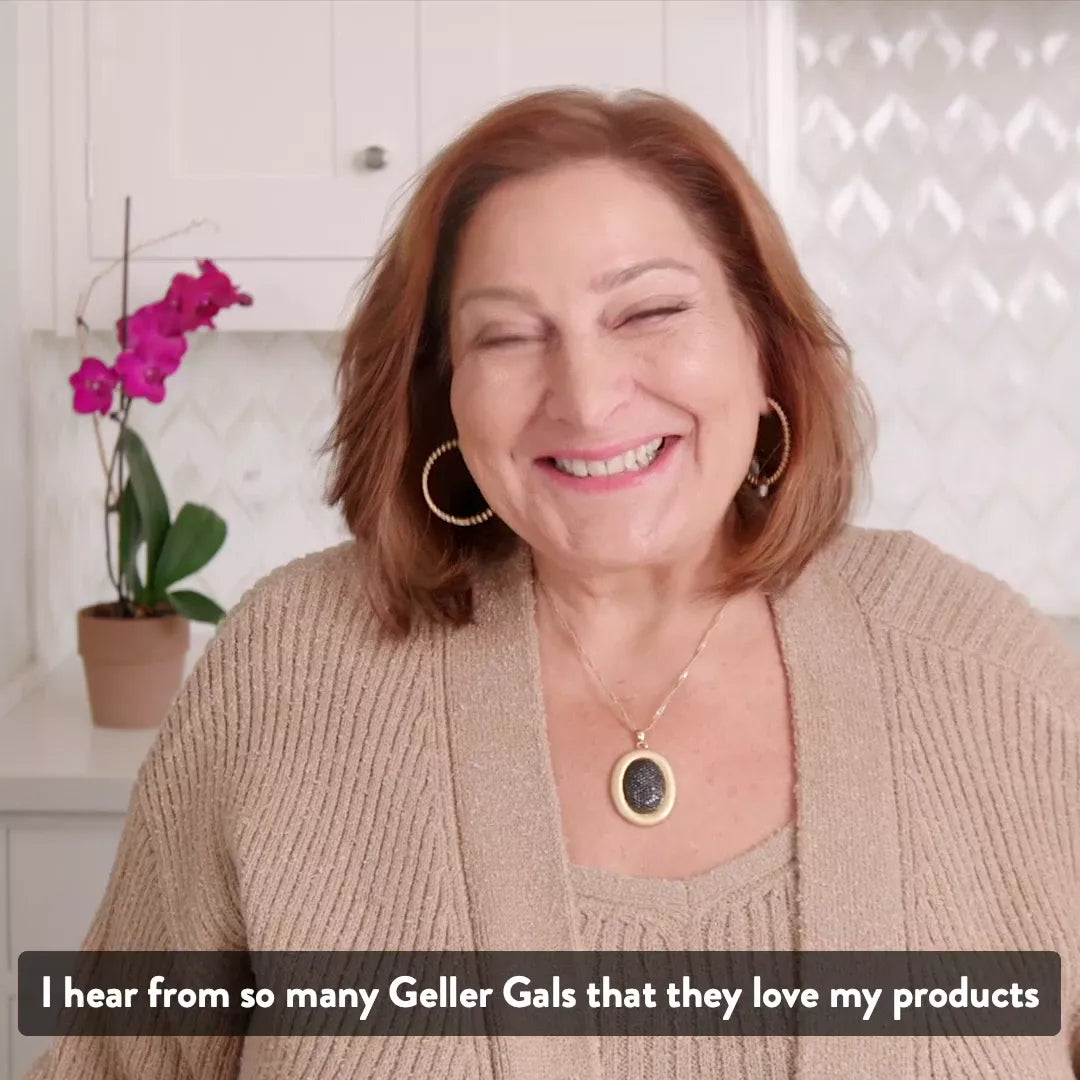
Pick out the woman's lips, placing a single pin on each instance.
(603, 453)
(626, 479)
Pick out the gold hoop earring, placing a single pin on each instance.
(754, 477)
(474, 519)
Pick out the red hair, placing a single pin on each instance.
(393, 378)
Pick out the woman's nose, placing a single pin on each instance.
(587, 384)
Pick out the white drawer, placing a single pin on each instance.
(56, 879)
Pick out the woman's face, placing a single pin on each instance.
(605, 391)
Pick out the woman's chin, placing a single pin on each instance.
(610, 550)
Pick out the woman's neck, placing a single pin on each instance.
(633, 609)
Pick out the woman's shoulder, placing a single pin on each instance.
(903, 581)
(310, 609)
(303, 636)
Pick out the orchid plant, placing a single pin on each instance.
(154, 551)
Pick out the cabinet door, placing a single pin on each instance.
(254, 115)
(57, 869)
(474, 53)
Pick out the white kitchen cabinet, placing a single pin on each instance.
(65, 788)
(293, 125)
(474, 53)
(53, 876)
(253, 114)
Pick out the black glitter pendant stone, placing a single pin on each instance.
(643, 786)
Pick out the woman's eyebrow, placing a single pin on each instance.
(605, 282)
(613, 278)
(499, 292)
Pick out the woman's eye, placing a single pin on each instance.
(503, 339)
(655, 313)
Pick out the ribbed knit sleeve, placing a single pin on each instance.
(297, 797)
(1062, 709)
(172, 886)
(985, 696)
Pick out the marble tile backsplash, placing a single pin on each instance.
(938, 214)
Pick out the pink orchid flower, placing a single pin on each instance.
(220, 289)
(145, 367)
(150, 321)
(197, 300)
(95, 385)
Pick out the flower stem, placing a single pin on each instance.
(112, 506)
(116, 462)
(101, 453)
(124, 294)
(124, 399)
(81, 325)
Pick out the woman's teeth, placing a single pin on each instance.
(632, 461)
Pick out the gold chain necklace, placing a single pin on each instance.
(642, 781)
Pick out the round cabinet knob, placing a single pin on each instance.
(371, 157)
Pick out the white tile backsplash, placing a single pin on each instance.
(938, 214)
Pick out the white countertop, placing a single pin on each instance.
(52, 759)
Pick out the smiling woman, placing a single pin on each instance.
(604, 355)
(597, 444)
(666, 256)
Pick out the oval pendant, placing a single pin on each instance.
(643, 786)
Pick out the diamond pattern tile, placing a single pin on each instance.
(894, 128)
(1041, 308)
(858, 216)
(932, 221)
(938, 213)
(827, 136)
(966, 134)
(1009, 539)
(1061, 220)
(897, 302)
(968, 303)
(1008, 378)
(1001, 216)
(1044, 466)
(930, 383)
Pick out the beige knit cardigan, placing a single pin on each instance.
(317, 786)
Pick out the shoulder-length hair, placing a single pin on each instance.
(393, 379)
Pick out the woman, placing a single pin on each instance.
(604, 667)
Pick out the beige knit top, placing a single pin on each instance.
(746, 903)
(320, 786)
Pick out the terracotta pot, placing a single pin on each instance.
(134, 667)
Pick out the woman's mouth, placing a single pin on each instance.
(634, 460)
(599, 473)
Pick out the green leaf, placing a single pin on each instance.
(130, 539)
(150, 497)
(195, 606)
(193, 539)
